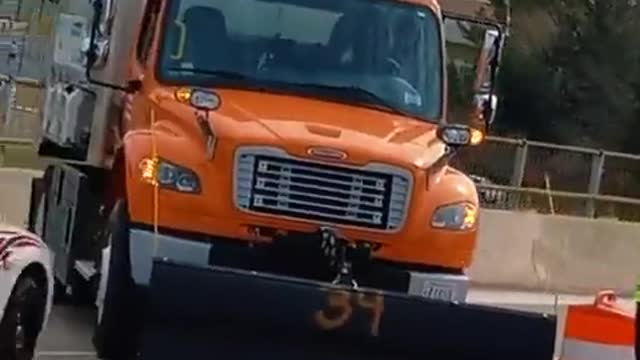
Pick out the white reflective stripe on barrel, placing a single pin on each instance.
(582, 350)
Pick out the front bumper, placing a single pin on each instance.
(144, 246)
(204, 312)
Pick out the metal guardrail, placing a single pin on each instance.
(21, 101)
(519, 163)
(558, 202)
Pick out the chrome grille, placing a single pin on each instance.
(274, 183)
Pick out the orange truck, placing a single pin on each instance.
(222, 166)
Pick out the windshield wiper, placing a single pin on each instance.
(357, 93)
(353, 92)
(229, 75)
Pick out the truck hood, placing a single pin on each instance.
(297, 123)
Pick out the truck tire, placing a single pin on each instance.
(114, 335)
(22, 321)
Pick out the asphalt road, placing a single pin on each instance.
(69, 332)
(68, 335)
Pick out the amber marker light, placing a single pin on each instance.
(470, 216)
(477, 137)
(183, 95)
(149, 170)
(459, 216)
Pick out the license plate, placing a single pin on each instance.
(437, 292)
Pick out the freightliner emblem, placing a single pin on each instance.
(327, 153)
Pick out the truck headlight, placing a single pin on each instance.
(170, 176)
(460, 216)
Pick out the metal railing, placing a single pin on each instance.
(21, 101)
(589, 176)
(20, 119)
(553, 202)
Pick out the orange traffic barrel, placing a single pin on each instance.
(599, 331)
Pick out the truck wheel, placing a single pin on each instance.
(114, 335)
(22, 321)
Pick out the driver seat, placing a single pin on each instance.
(207, 42)
(353, 41)
(341, 47)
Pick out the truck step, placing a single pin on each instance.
(86, 269)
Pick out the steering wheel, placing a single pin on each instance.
(407, 94)
(274, 49)
(265, 59)
(395, 66)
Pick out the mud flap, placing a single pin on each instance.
(221, 313)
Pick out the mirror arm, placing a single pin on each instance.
(471, 19)
(507, 20)
(495, 64)
(502, 25)
(92, 53)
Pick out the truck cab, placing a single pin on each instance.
(256, 134)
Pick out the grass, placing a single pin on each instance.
(23, 157)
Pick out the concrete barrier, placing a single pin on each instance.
(522, 250)
(504, 252)
(556, 253)
(15, 191)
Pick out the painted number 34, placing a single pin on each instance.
(341, 306)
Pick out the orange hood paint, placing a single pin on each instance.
(295, 123)
(303, 122)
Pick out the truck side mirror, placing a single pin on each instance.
(96, 47)
(487, 106)
(474, 40)
(485, 102)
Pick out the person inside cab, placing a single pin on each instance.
(205, 25)
(340, 48)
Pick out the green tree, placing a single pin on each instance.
(583, 88)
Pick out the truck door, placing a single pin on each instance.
(136, 107)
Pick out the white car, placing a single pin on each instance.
(26, 292)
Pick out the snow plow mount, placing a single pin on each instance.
(341, 254)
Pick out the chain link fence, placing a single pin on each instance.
(21, 97)
(20, 105)
(20, 118)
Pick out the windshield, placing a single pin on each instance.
(381, 53)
